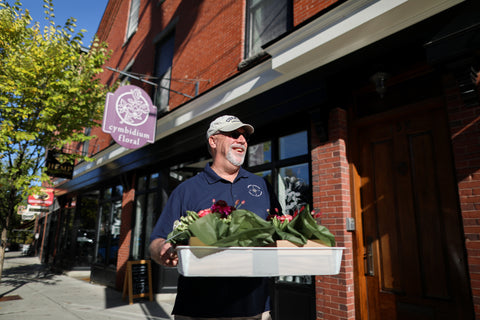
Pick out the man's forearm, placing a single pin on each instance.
(163, 253)
(155, 249)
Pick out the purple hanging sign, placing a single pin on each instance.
(130, 117)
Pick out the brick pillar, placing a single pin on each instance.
(464, 121)
(331, 196)
(128, 204)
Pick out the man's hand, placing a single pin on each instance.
(163, 253)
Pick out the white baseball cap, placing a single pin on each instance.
(227, 124)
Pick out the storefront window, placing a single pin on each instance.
(138, 234)
(85, 229)
(293, 145)
(284, 162)
(116, 221)
(118, 191)
(260, 153)
(103, 233)
(109, 226)
(142, 183)
(267, 175)
(287, 169)
(107, 194)
(294, 187)
(154, 180)
(146, 203)
(67, 231)
(152, 204)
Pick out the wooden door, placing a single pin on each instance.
(411, 243)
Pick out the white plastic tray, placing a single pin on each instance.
(258, 261)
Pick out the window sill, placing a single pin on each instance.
(253, 61)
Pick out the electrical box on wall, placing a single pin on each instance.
(350, 224)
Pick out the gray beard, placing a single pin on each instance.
(235, 160)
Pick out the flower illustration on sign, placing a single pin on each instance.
(130, 117)
(132, 108)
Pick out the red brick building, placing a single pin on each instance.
(366, 110)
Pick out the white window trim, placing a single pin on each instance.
(132, 23)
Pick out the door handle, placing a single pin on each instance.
(368, 258)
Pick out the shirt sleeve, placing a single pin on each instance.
(172, 212)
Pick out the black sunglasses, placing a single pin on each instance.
(236, 134)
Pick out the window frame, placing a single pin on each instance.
(146, 192)
(133, 17)
(164, 80)
(248, 45)
(276, 164)
(108, 201)
(273, 133)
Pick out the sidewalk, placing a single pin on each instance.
(29, 291)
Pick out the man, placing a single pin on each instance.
(223, 179)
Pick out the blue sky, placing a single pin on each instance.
(87, 12)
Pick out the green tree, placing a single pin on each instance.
(49, 92)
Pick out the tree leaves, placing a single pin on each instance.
(49, 92)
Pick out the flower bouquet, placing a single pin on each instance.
(229, 226)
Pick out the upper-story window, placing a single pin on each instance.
(86, 144)
(266, 20)
(163, 70)
(133, 18)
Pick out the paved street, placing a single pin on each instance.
(29, 291)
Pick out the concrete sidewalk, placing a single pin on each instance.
(29, 291)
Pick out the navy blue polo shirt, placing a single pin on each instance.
(218, 296)
(198, 192)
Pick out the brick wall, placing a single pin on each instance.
(305, 9)
(128, 203)
(464, 124)
(209, 40)
(331, 196)
(209, 43)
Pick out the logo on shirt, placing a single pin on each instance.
(254, 190)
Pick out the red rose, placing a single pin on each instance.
(204, 212)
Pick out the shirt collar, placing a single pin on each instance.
(212, 177)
